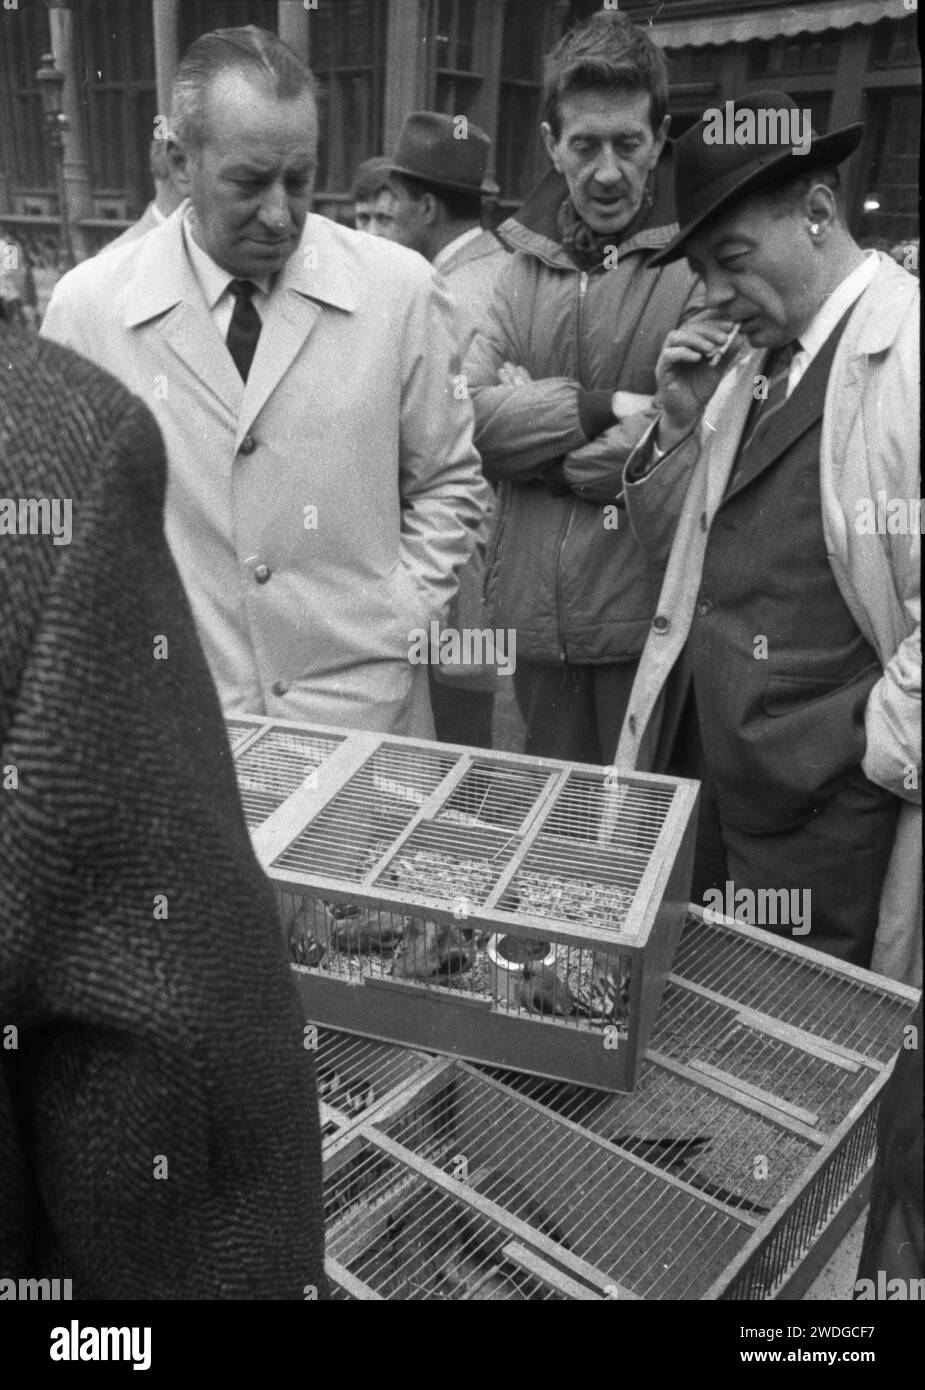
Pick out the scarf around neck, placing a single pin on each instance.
(587, 248)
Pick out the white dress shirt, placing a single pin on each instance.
(214, 282)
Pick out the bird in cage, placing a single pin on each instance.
(304, 946)
(545, 990)
(429, 950)
(362, 930)
(351, 1097)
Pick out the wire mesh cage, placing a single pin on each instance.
(501, 908)
(731, 1170)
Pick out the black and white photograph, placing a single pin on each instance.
(460, 667)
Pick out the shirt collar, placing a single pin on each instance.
(213, 281)
(838, 304)
(447, 252)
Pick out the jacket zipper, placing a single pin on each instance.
(582, 291)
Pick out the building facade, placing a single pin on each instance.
(375, 60)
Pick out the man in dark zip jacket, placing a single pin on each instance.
(569, 353)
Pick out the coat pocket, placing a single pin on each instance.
(786, 694)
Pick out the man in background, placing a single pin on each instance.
(438, 177)
(438, 174)
(167, 197)
(323, 489)
(159, 1132)
(372, 198)
(566, 362)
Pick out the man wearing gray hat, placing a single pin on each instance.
(783, 667)
(438, 176)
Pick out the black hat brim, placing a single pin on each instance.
(825, 149)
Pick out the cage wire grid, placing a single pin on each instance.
(813, 1171)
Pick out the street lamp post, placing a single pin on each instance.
(51, 84)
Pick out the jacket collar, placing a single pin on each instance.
(880, 310)
(534, 228)
(163, 277)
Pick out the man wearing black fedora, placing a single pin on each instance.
(438, 177)
(783, 665)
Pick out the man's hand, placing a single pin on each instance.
(510, 374)
(688, 371)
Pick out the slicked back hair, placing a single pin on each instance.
(609, 53)
(253, 52)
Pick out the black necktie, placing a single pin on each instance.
(777, 371)
(244, 328)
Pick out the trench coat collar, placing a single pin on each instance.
(163, 287)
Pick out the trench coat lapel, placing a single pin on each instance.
(730, 406)
(288, 321)
(165, 298)
(315, 276)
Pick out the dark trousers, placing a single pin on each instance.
(573, 712)
(836, 861)
(461, 715)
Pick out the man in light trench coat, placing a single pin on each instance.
(783, 665)
(323, 488)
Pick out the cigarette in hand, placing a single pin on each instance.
(716, 357)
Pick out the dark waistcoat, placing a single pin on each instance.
(781, 670)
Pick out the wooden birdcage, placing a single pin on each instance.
(496, 907)
(731, 1172)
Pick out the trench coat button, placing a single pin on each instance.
(703, 521)
(280, 687)
(262, 573)
(704, 607)
(660, 624)
(248, 444)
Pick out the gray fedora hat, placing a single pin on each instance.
(710, 176)
(430, 148)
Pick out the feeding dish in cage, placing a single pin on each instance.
(403, 859)
(509, 957)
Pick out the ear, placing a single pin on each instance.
(430, 209)
(178, 161)
(661, 135)
(552, 146)
(820, 209)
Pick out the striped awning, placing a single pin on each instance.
(810, 18)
